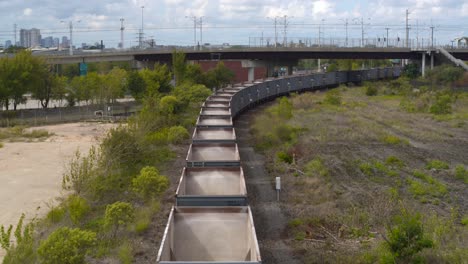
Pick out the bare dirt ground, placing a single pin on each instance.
(31, 172)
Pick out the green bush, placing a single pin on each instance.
(283, 156)
(284, 109)
(285, 133)
(117, 215)
(78, 208)
(406, 237)
(177, 134)
(56, 214)
(149, 183)
(316, 167)
(1, 145)
(371, 90)
(333, 97)
(81, 171)
(411, 71)
(442, 105)
(66, 245)
(437, 164)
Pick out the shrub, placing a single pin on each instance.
(406, 237)
(66, 245)
(78, 208)
(442, 105)
(316, 167)
(371, 90)
(284, 157)
(80, 172)
(1, 145)
(411, 71)
(38, 133)
(177, 134)
(117, 215)
(149, 182)
(56, 214)
(285, 133)
(437, 164)
(284, 109)
(333, 97)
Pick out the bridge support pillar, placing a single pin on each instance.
(251, 74)
(423, 65)
(432, 60)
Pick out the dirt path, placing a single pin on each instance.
(31, 172)
(270, 220)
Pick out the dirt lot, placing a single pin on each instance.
(31, 172)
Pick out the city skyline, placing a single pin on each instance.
(170, 22)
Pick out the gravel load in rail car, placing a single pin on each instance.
(209, 235)
(213, 155)
(216, 104)
(214, 121)
(211, 111)
(213, 135)
(217, 98)
(212, 187)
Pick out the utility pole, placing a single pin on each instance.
(122, 33)
(194, 18)
(346, 28)
(432, 37)
(141, 35)
(276, 32)
(285, 31)
(71, 38)
(201, 30)
(362, 31)
(14, 28)
(407, 28)
(387, 35)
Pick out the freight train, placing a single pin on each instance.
(211, 221)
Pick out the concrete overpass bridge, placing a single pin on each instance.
(265, 57)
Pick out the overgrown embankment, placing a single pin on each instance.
(372, 178)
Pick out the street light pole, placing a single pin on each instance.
(387, 35)
(142, 28)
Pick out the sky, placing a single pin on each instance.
(170, 22)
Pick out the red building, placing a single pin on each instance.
(241, 74)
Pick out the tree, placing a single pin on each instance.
(46, 84)
(220, 76)
(149, 183)
(178, 66)
(114, 84)
(411, 71)
(191, 93)
(117, 215)
(194, 74)
(136, 85)
(284, 108)
(66, 245)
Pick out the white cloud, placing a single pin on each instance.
(27, 11)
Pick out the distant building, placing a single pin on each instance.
(48, 42)
(65, 42)
(56, 42)
(30, 38)
(8, 44)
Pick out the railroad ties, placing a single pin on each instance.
(211, 221)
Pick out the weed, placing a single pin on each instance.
(78, 208)
(437, 164)
(464, 220)
(300, 235)
(371, 90)
(366, 168)
(316, 167)
(461, 173)
(333, 97)
(442, 105)
(394, 162)
(296, 222)
(125, 253)
(394, 140)
(1, 145)
(284, 157)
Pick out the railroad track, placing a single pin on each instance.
(211, 221)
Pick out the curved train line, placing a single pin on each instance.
(211, 221)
